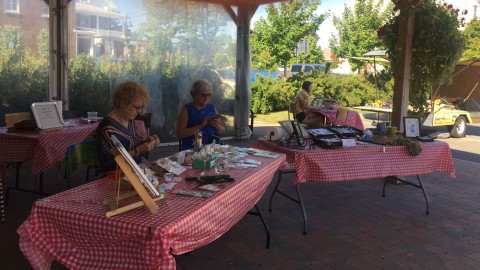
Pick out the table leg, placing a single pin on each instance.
(298, 200)
(275, 189)
(39, 192)
(303, 209)
(419, 185)
(259, 214)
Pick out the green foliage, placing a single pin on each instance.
(274, 39)
(437, 45)
(472, 40)
(357, 29)
(270, 95)
(23, 75)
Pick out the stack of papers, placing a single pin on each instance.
(261, 153)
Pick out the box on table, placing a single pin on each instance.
(208, 165)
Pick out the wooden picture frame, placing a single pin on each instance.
(411, 127)
(47, 115)
(137, 179)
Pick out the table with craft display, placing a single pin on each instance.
(353, 118)
(361, 162)
(72, 227)
(43, 148)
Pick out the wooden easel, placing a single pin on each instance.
(136, 183)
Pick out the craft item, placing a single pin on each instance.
(381, 128)
(198, 141)
(392, 132)
(348, 142)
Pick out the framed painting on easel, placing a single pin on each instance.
(139, 181)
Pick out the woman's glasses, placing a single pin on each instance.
(205, 95)
(138, 108)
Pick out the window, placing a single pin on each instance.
(86, 21)
(12, 6)
(45, 10)
(308, 68)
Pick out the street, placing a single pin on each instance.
(467, 148)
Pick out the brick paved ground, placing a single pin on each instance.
(350, 226)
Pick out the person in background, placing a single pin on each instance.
(199, 115)
(129, 99)
(302, 106)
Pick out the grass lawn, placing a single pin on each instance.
(273, 117)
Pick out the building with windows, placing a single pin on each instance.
(30, 16)
(99, 29)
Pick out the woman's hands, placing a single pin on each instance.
(217, 123)
(148, 145)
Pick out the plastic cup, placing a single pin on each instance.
(168, 177)
(92, 115)
(221, 166)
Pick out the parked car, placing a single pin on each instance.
(305, 68)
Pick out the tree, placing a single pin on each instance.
(437, 45)
(472, 40)
(274, 39)
(357, 29)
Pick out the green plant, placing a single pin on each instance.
(437, 46)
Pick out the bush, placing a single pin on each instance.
(269, 95)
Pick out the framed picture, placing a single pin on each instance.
(136, 169)
(411, 126)
(47, 115)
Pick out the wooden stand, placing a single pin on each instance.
(136, 183)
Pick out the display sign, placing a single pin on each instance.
(47, 115)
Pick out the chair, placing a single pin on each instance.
(252, 117)
(292, 110)
(12, 118)
(342, 115)
(78, 156)
(147, 119)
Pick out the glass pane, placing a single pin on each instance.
(164, 44)
(23, 56)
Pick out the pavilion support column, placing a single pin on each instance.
(243, 87)
(58, 24)
(401, 86)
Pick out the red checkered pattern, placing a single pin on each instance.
(353, 118)
(44, 149)
(363, 161)
(71, 227)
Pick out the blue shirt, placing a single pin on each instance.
(195, 117)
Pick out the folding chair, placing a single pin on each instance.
(10, 120)
(78, 156)
(342, 115)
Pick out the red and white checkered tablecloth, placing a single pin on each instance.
(71, 227)
(353, 117)
(44, 149)
(362, 161)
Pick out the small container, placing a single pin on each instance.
(222, 165)
(168, 177)
(92, 115)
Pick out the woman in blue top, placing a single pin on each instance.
(198, 115)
